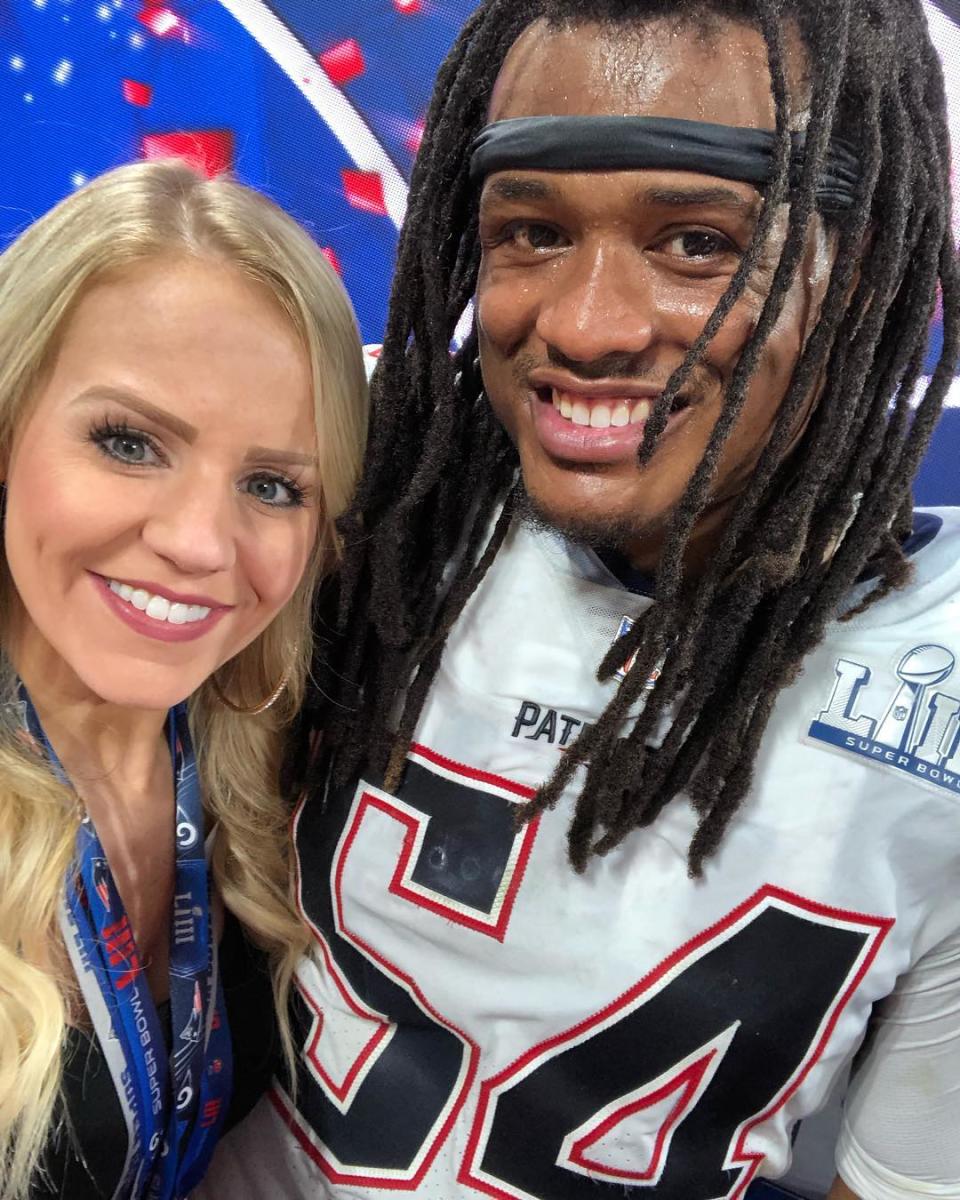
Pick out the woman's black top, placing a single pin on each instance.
(86, 1153)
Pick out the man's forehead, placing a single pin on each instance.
(690, 102)
(661, 68)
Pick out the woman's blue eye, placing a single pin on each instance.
(125, 445)
(137, 450)
(130, 449)
(277, 493)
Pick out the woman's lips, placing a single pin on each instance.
(574, 427)
(161, 631)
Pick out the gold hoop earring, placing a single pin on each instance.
(256, 709)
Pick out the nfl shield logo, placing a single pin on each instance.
(100, 881)
(626, 624)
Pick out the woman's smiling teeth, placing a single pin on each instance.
(599, 414)
(159, 607)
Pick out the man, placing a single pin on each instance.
(704, 239)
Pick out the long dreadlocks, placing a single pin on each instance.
(804, 529)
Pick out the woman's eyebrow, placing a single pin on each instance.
(183, 429)
(293, 458)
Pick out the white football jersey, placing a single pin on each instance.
(479, 1020)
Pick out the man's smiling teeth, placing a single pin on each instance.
(159, 607)
(618, 413)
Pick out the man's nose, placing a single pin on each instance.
(602, 304)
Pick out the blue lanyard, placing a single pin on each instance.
(174, 1103)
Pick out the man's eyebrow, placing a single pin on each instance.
(512, 187)
(182, 429)
(703, 197)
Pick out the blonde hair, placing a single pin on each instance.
(130, 215)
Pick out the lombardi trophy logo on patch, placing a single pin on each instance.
(917, 731)
(919, 669)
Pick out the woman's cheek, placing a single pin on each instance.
(278, 562)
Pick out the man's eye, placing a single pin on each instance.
(698, 243)
(531, 235)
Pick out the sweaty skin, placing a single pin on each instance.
(594, 285)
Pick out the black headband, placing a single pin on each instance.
(665, 143)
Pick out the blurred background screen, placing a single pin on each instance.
(319, 104)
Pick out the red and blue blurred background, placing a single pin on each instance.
(319, 103)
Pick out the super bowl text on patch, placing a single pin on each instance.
(908, 722)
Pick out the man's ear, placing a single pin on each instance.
(866, 245)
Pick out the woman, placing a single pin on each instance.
(182, 415)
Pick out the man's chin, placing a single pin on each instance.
(599, 531)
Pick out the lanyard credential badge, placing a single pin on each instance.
(174, 1099)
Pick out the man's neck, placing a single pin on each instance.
(645, 552)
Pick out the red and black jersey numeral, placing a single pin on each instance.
(714, 1042)
(657, 1094)
(461, 858)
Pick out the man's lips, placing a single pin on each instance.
(548, 378)
(600, 421)
(602, 412)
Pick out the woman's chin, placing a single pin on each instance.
(134, 690)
